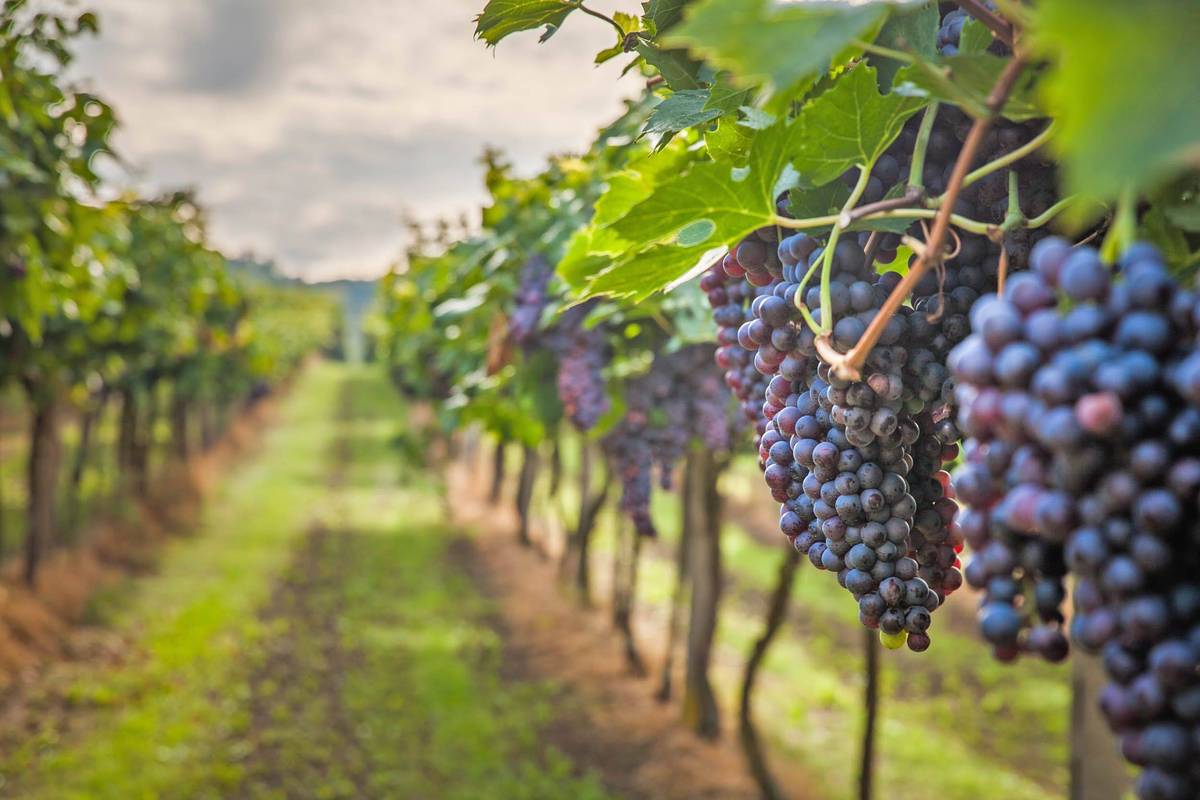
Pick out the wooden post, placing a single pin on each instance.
(747, 731)
(497, 471)
(525, 481)
(700, 710)
(866, 772)
(1098, 771)
(44, 447)
(679, 594)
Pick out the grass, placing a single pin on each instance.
(394, 675)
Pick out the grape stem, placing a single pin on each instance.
(997, 24)
(1123, 229)
(849, 366)
(916, 172)
(1051, 212)
(885, 52)
(1014, 217)
(1009, 158)
(843, 222)
(914, 194)
(966, 223)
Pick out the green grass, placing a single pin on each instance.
(421, 689)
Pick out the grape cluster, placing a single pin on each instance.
(1076, 393)
(731, 297)
(680, 398)
(582, 355)
(530, 299)
(856, 467)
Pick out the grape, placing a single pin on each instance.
(581, 387)
(1094, 472)
(679, 399)
(530, 299)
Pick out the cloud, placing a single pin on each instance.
(232, 47)
(310, 127)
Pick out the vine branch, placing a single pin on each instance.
(914, 194)
(996, 23)
(593, 13)
(849, 366)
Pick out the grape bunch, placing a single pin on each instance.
(530, 299)
(857, 467)
(582, 355)
(680, 398)
(731, 298)
(1083, 457)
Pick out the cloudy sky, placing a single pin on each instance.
(311, 127)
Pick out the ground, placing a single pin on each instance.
(326, 634)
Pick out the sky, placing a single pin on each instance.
(311, 128)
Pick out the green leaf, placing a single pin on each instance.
(649, 271)
(662, 14)
(762, 41)
(1124, 88)
(820, 201)
(726, 98)
(850, 124)
(729, 141)
(735, 200)
(500, 18)
(908, 30)
(590, 250)
(694, 215)
(676, 68)
(628, 23)
(1186, 217)
(1157, 229)
(967, 80)
(680, 111)
(1179, 202)
(975, 38)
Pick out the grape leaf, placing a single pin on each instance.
(628, 24)
(850, 124)
(786, 45)
(736, 200)
(967, 80)
(689, 216)
(647, 272)
(662, 14)
(724, 97)
(1124, 88)
(1186, 217)
(729, 141)
(908, 30)
(589, 251)
(677, 69)
(975, 37)
(500, 18)
(819, 201)
(680, 111)
(1157, 229)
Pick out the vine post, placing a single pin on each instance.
(703, 520)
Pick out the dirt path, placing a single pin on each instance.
(607, 718)
(301, 664)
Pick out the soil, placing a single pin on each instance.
(608, 719)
